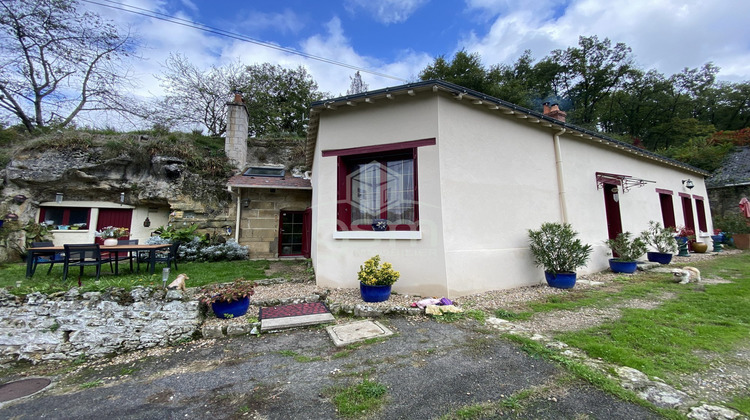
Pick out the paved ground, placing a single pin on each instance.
(431, 369)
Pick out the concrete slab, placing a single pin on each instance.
(353, 332)
(295, 321)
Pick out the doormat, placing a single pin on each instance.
(290, 316)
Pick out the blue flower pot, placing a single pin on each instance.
(560, 280)
(223, 309)
(623, 266)
(659, 257)
(374, 293)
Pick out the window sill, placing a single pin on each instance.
(390, 234)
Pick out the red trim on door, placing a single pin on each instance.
(307, 233)
(662, 191)
(683, 195)
(379, 148)
(667, 210)
(612, 208)
(687, 212)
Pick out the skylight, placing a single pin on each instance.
(259, 171)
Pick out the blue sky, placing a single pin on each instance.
(401, 37)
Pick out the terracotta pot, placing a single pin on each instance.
(741, 240)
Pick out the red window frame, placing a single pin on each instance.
(66, 214)
(382, 153)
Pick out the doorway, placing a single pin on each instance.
(113, 217)
(291, 233)
(612, 207)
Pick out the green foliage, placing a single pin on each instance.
(626, 248)
(741, 404)
(226, 292)
(660, 238)
(354, 401)
(732, 223)
(375, 274)
(183, 234)
(700, 152)
(556, 248)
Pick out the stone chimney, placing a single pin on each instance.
(235, 144)
(553, 111)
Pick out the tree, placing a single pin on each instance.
(357, 85)
(194, 96)
(590, 73)
(278, 99)
(56, 62)
(465, 69)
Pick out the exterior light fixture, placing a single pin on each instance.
(58, 198)
(122, 197)
(688, 183)
(616, 194)
(147, 222)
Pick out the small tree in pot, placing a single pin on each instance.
(557, 250)
(627, 251)
(662, 239)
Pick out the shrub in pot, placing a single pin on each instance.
(375, 280)
(228, 300)
(662, 239)
(557, 250)
(627, 250)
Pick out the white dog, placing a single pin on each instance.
(687, 275)
(178, 283)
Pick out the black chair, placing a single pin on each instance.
(167, 257)
(51, 258)
(83, 255)
(130, 255)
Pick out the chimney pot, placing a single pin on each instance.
(545, 108)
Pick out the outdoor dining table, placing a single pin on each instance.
(115, 249)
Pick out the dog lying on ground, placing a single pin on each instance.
(178, 283)
(687, 275)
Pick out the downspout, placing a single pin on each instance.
(560, 180)
(237, 222)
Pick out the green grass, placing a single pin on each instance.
(200, 273)
(359, 399)
(664, 340)
(92, 384)
(741, 404)
(300, 357)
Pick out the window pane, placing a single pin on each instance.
(365, 183)
(78, 216)
(400, 190)
(55, 214)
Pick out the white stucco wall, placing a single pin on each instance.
(490, 178)
(420, 261)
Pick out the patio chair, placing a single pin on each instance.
(83, 255)
(51, 258)
(130, 255)
(168, 257)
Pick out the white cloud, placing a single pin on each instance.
(387, 11)
(667, 35)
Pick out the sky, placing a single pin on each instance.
(399, 38)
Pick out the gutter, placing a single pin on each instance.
(560, 177)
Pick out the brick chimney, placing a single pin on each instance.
(554, 111)
(235, 144)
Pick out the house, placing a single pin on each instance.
(459, 178)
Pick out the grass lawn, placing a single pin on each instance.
(200, 273)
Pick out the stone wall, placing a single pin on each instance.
(66, 325)
(259, 221)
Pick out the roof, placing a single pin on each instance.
(287, 182)
(735, 170)
(474, 98)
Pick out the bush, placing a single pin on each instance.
(660, 238)
(556, 248)
(627, 249)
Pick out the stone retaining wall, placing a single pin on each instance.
(66, 325)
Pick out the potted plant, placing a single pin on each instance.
(662, 239)
(557, 250)
(227, 300)
(110, 234)
(375, 280)
(736, 229)
(626, 251)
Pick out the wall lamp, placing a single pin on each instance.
(688, 183)
(616, 194)
(58, 198)
(122, 197)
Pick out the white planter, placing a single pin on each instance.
(110, 242)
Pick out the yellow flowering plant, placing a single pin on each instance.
(375, 274)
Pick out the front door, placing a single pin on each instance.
(291, 233)
(113, 217)
(612, 207)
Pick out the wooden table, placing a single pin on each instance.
(116, 249)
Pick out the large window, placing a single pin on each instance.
(667, 208)
(700, 210)
(65, 216)
(378, 186)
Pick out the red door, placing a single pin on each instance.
(291, 233)
(687, 212)
(113, 217)
(667, 210)
(612, 207)
(306, 233)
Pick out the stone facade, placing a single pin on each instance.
(68, 325)
(259, 220)
(235, 145)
